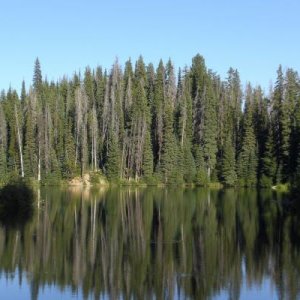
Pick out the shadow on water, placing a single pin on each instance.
(16, 205)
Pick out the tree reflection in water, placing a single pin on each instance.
(156, 243)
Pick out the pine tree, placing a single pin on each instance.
(268, 161)
(184, 127)
(292, 98)
(228, 167)
(147, 166)
(198, 88)
(135, 123)
(3, 145)
(169, 148)
(209, 139)
(201, 171)
(15, 133)
(296, 145)
(261, 122)
(157, 114)
(113, 162)
(30, 150)
(23, 93)
(247, 159)
(150, 85)
(37, 76)
(281, 125)
(234, 102)
(170, 172)
(81, 139)
(205, 117)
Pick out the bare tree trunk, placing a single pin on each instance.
(19, 142)
(39, 164)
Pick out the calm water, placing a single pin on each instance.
(135, 243)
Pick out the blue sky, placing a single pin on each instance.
(253, 36)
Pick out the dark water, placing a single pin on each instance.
(135, 243)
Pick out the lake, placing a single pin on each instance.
(152, 243)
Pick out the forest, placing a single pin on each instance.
(145, 124)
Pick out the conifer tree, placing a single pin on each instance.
(281, 125)
(132, 124)
(169, 147)
(198, 88)
(37, 76)
(170, 172)
(15, 132)
(292, 98)
(113, 162)
(147, 166)
(23, 93)
(30, 149)
(184, 126)
(209, 139)
(234, 102)
(3, 145)
(150, 85)
(205, 117)
(268, 161)
(158, 112)
(228, 167)
(247, 159)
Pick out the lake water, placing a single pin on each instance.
(152, 243)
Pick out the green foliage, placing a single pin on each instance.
(147, 167)
(113, 159)
(268, 163)
(37, 76)
(97, 178)
(228, 168)
(201, 177)
(247, 159)
(140, 125)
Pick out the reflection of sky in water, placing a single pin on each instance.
(258, 291)
(262, 291)
(12, 289)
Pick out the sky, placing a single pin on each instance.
(251, 36)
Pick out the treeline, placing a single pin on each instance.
(151, 125)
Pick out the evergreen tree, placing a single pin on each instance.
(170, 172)
(30, 149)
(292, 99)
(184, 127)
(23, 93)
(209, 139)
(205, 117)
(157, 114)
(147, 167)
(281, 125)
(3, 145)
(228, 168)
(132, 124)
(37, 76)
(234, 102)
(268, 159)
(113, 162)
(169, 148)
(247, 160)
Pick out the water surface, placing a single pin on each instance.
(153, 243)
